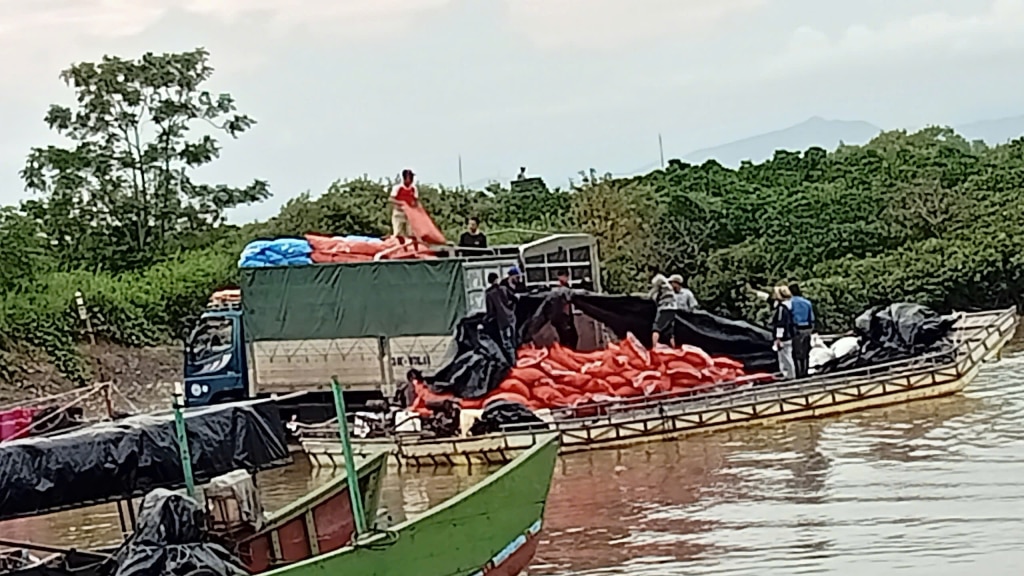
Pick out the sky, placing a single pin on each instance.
(344, 88)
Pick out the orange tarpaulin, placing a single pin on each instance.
(421, 224)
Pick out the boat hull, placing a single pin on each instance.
(319, 522)
(492, 528)
(982, 337)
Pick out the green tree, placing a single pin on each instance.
(122, 194)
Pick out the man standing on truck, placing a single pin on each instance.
(473, 238)
(500, 305)
(404, 193)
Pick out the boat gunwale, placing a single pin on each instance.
(320, 494)
(542, 442)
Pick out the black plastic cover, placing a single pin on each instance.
(718, 336)
(897, 332)
(171, 541)
(115, 460)
(479, 364)
(499, 414)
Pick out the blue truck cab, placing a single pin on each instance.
(216, 367)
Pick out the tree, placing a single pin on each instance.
(123, 193)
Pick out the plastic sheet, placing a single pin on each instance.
(478, 366)
(171, 541)
(115, 460)
(623, 315)
(498, 414)
(897, 332)
(279, 252)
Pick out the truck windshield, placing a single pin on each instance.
(211, 339)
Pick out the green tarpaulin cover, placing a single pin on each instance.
(325, 301)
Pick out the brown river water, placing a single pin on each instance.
(932, 488)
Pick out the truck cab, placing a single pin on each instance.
(285, 331)
(215, 357)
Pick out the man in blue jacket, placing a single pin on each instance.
(803, 319)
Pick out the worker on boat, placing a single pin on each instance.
(685, 300)
(665, 318)
(803, 321)
(564, 319)
(499, 303)
(783, 330)
(405, 193)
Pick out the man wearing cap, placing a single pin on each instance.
(685, 300)
(405, 193)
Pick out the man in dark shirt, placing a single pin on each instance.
(501, 310)
(473, 238)
(803, 319)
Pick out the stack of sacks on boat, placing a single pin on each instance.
(559, 377)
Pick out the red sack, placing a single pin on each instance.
(514, 386)
(421, 225)
(509, 396)
(547, 396)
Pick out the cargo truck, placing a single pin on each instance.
(293, 328)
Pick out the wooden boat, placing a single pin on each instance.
(492, 528)
(319, 522)
(979, 338)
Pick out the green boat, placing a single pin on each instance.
(492, 528)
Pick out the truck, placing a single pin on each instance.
(294, 328)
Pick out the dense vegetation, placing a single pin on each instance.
(925, 217)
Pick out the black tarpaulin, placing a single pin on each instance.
(897, 332)
(114, 460)
(499, 414)
(171, 541)
(716, 335)
(479, 364)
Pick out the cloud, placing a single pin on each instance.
(608, 24)
(930, 35)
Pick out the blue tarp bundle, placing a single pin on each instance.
(280, 252)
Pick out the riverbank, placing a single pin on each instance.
(143, 375)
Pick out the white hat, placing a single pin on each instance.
(678, 279)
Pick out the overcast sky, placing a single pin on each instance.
(342, 88)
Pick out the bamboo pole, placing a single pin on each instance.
(350, 464)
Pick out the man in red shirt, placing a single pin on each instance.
(404, 193)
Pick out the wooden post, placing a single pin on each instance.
(350, 464)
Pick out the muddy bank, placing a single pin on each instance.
(143, 375)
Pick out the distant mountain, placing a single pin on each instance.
(813, 132)
(828, 134)
(993, 131)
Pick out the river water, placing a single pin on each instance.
(933, 488)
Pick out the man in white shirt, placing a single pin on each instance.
(404, 193)
(685, 300)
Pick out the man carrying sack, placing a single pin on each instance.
(402, 195)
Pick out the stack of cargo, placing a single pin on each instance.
(317, 249)
(558, 377)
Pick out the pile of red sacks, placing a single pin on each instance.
(558, 377)
(328, 249)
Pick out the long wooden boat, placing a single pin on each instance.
(979, 337)
(493, 528)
